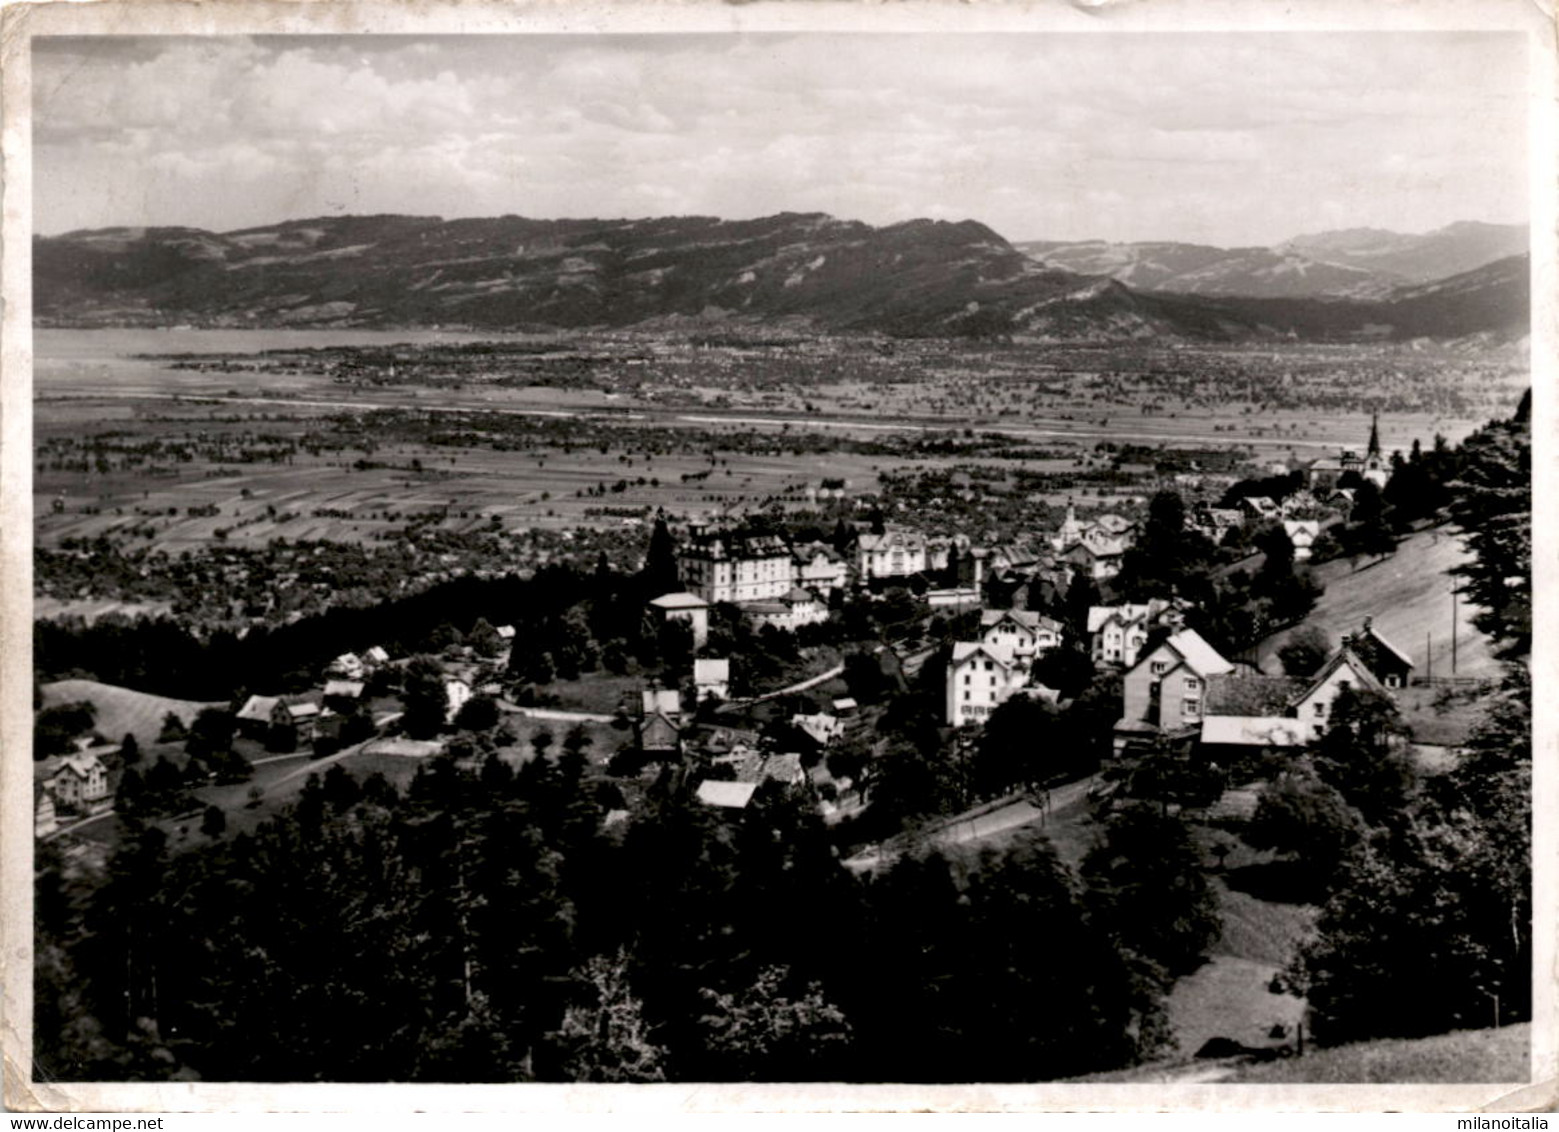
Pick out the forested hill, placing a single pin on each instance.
(921, 277)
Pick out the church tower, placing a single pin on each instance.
(1375, 468)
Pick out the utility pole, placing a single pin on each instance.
(1428, 657)
(1453, 630)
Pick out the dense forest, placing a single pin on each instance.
(485, 928)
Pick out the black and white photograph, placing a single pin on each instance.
(916, 548)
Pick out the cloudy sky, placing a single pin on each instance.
(1219, 138)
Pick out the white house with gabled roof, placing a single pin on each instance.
(980, 678)
(1248, 709)
(892, 554)
(1029, 634)
(1165, 691)
(78, 779)
(1118, 632)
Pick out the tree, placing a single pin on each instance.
(1165, 773)
(1363, 754)
(604, 1036)
(614, 657)
(1410, 942)
(1273, 542)
(540, 742)
(659, 575)
(1168, 557)
(1082, 594)
(130, 795)
(577, 741)
(341, 791)
(1016, 747)
(1304, 651)
(165, 789)
(1147, 886)
(1491, 503)
(212, 731)
(1372, 532)
(674, 642)
(911, 784)
(864, 678)
(172, 728)
(479, 713)
(1066, 670)
(1440, 896)
(213, 823)
(1303, 816)
(1087, 733)
(129, 750)
(423, 698)
(55, 729)
(761, 1032)
(484, 638)
(949, 985)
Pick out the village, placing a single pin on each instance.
(1014, 599)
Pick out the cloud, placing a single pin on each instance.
(1220, 138)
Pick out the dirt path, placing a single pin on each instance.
(974, 826)
(557, 715)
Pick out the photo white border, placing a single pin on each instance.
(19, 23)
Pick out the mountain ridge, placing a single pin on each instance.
(1359, 263)
(916, 277)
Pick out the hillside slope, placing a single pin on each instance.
(122, 711)
(1463, 1057)
(1408, 595)
(920, 277)
(514, 272)
(1414, 258)
(1355, 263)
(1199, 269)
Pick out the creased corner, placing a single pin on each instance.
(1540, 1096)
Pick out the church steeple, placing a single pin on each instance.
(1375, 434)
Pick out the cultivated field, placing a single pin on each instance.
(94, 383)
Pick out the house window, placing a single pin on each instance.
(966, 697)
(1319, 730)
(1192, 684)
(989, 666)
(1393, 681)
(1193, 705)
(1160, 667)
(1320, 710)
(968, 679)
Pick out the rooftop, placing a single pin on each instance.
(679, 601)
(1199, 656)
(964, 650)
(711, 669)
(730, 795)
(1244, 694)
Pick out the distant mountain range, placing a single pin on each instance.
(1358, 263)
(922, 277)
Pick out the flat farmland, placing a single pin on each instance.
(352, 497)
(96, 386)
